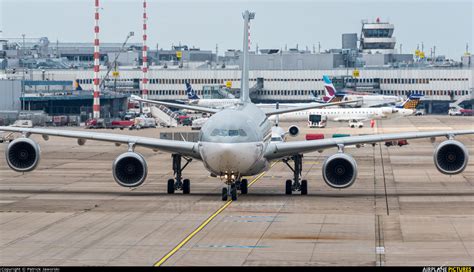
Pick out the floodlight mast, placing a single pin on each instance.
(245, 96)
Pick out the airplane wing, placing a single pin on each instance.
(184, 148)
(281, 150)
(307, 107)
(176, 105)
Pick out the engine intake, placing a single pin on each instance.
(451, 157)
(22, 154)
(340, 170)
(294, 131)
(130, 169)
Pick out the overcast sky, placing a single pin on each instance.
(448, 25)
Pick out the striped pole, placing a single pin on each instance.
(96, 105)
(145, 55)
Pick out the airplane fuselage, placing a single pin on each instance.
(346, 114)
(233, 141)
(230, 102)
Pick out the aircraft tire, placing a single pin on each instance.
(288, 188)
(186, 186)
(224, 194)
(244, 186)
(171, 186)
(304, 187)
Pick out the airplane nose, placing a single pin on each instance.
(229, 158)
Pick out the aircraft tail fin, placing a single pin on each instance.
(411, 102)
(77, 86)
(191, 92)
(329, 88)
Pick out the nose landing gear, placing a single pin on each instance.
(230, 190)
(233, 185)
(295, 184)
(178, 183)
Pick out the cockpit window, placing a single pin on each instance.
(228, 132)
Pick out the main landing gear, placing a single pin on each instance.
(295, 184)
(178, 183)
(233, 186)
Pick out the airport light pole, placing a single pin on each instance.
(247, 15)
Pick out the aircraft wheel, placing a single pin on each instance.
(233, 193)
(186, 186)
(244, 186)
(171, 186)
(304, 187)
(224, 194)
(288, 188)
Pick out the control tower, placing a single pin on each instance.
(377, 37)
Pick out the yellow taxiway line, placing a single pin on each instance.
(204, 224)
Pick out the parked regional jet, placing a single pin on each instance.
(354, 114)
(194, 99)
(366, 100)
(233, 144)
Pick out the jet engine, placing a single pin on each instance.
(451, 157)
(340, 170)
(294, 131)
(388, 110)
(130, 169)
(23, 154)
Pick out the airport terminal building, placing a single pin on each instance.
(368, 62)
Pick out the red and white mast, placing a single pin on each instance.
(145, 55)
(96, 104)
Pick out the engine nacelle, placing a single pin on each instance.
(387, 110)
(23, 155)
(130, 169)
(294, 131)
(451, 157)
(340, 170)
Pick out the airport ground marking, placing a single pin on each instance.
(204, 224)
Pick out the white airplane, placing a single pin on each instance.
(233, 144)
(194, 99)
(337, 114)
(364, 100)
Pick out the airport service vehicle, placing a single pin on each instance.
(121, 124)
(23, 123)
(396, 142)
(355, 124)
(420, 112)
(460, 112)
(317, 121)
(363, 100)
(144, 122)
(235, 143)
(466, 112)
